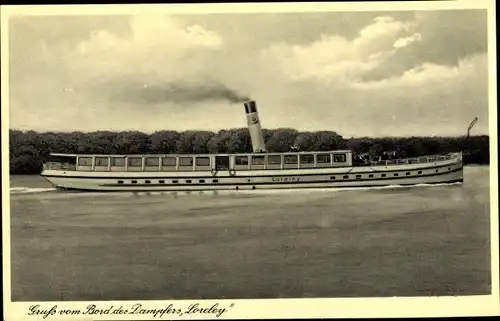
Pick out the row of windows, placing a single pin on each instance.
(289, 159)
(148, 161)
(175, 181)
(359, 176)
(205, 161)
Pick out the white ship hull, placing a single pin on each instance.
(445, 171)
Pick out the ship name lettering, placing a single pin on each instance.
(286, 179)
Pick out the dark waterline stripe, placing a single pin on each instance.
(234, 188)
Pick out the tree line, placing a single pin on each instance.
(28, 150)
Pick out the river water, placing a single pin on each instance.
(372, 242)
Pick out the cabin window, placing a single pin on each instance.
(291, 159)
(332, 177)
(370, 176)
(307, 159)
(62, 159)
(258, 160)
(396, 174)
(175, 181)
(152, 161)
(134, 161)
(120, 182)
(148, 182)
(84, 161)
(202, 161)
(215, 180)
(188, 181)
(407, 173)
(118, 161)
(134, 182)
(345, 177)
(383, 175)
(101, 161)
(323, 158)
(202, 181)
(358, 176)
(241, 160)
(161, 181)
(339, 158)
(169, 161)
(274, 159)
(185, 161)
(419, 172)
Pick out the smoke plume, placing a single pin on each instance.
(180, 92)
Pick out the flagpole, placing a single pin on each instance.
(472, 123)
(466, 152)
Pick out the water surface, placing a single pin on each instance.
(372, 242)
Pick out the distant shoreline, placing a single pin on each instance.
(28, 150)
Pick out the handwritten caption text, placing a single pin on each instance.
(137, 309)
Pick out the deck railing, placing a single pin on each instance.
(416, 160)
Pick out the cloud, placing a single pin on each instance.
(403, 42)
(431, 75)
(355, 83)
(337, 58)
(446, 37)
(156, 46)
(378, 35)
(430, 100)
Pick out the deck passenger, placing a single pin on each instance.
(357, 160)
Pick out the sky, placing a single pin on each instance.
(407, 73)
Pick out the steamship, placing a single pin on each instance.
(245, 171)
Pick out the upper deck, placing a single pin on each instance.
(199, 162)
(209, 162)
